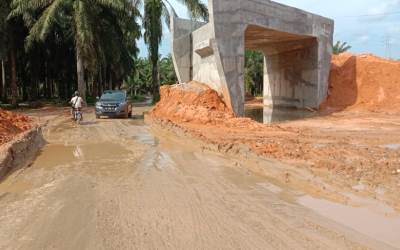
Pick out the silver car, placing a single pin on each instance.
(113, 103)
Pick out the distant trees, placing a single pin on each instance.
(167, 71)
(95, 28)
(340, 47)
(140, 81)
(154, 12)
(50, 48)
(254, 72)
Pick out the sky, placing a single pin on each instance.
(369, 26)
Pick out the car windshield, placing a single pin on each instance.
(113, 96)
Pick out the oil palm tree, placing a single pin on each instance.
(154, 12)
(340, 47)
(79, 20)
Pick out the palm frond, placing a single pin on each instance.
(20, 7)
(197, 9)
(43, 26)
(340, 47)
(153, 26)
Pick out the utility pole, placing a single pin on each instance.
(388, 46)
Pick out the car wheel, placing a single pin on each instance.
(130, 114)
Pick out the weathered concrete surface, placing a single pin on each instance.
(297, 46)
(20, 151)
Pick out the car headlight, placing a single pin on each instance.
(98, 105)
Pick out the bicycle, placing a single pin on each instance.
(78, 116)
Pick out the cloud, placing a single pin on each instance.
(363, 39)
(381, 10)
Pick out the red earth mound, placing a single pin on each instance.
(11, 124)
(196, 103)
(363, 82)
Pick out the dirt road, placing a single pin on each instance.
(116, 184)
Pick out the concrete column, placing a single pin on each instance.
(229, 39)
(291, 76)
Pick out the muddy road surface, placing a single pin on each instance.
(117, 184)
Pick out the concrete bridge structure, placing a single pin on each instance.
(297, 48)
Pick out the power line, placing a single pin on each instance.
(372, 15)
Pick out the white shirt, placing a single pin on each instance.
(77, 102)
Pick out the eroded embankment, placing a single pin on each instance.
(12, 124)
(363, 83)
(349, 149)
(20, 139)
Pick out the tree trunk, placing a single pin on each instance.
(110, 84)
(14, 87)
(95, 91)
(3, 81)
(155, 81)
(80, 73)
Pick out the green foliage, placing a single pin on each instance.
(46, 36)
(154, 12)
(254, 72)
(140, 81)
(340, 47)
(167, 72)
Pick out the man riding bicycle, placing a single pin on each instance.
(77, 103)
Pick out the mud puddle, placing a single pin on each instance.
(55, 154)
(269, 115)
(368, 217)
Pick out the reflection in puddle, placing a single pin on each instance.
(269, 115)
(375, 220)
(147, 139)
(392, 146)
(55, 154)
(78, 152)
(137, 122)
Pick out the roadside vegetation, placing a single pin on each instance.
(254, 73)
(340, 47)
(49, 49)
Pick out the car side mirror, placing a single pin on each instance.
(97, 98)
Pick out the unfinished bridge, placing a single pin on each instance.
(296, 45)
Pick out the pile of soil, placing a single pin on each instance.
(12, 124)
(196, 103)
(363, 82)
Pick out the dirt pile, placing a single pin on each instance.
(196, 103)
(11, 124)
(363, 82)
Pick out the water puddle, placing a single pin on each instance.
(392, 146)
(269, 115)
(54, 154)
(373, 219)
(14, 186)
(147, 139)
(137, 122)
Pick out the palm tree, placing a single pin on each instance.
(340, 47)
(79, 20)
(154, 12)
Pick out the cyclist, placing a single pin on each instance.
(76, 103)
